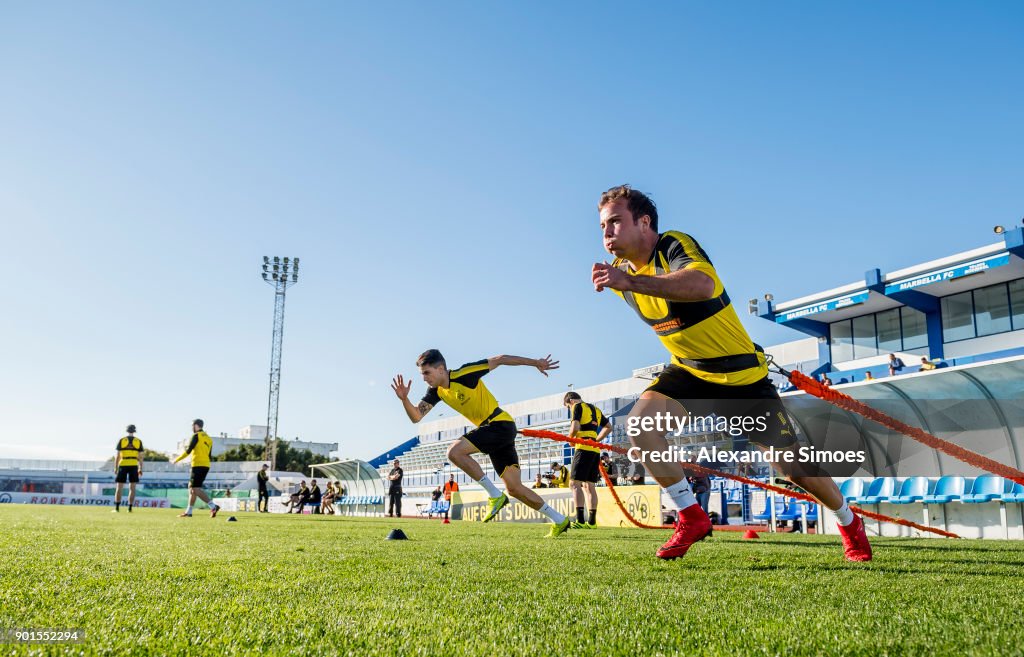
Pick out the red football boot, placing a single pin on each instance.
(855, 541)
(693, 525)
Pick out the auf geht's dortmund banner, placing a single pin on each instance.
(643, 503)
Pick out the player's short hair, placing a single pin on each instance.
(198, 423)
(556, 464)
(430, 357)
(639, 203)
(571, 396)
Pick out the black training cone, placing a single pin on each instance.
(232, 519)
(397, 535)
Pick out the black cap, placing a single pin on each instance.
(131, 428)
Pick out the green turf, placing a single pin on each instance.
(152, 584)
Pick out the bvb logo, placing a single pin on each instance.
(637, 506)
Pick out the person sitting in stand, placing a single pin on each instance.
(538, 482)
(315, 496)
(926, 365)
(327, 503)
(303, 497)
(895, 364)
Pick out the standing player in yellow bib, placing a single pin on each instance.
(495, 433)
(128, 466)
(199, 447)
(669, 281)
(588, 422)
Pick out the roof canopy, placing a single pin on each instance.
(358, 477)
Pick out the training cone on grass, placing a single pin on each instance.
(750, 533)
(397, 535)
(232, 519)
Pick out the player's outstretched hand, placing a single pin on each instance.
(400, 387)
(604, 275)
(545, 364)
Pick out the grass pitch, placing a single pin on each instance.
(150, 583)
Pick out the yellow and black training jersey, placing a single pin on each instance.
(200, 447)
(704, 337)
(468, 395)
(591, 420)
(129, 448)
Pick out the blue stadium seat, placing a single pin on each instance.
(985, 489)
(948, 489)
(914, 490)
(812, 511)
(851, 489)
(1013, 493)
(791, 512)
(879, 490)
(780, 506)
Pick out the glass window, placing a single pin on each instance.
(888, 323)
(1017, 303)
(842, 341)
(992, 309)
(864, 344)
(915, 328)
(957, 317)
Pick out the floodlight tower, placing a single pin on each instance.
(279, 274)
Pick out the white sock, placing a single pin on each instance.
(188, 509)
(555, 516)
(492, 490)
(681, 494)
(844, 515)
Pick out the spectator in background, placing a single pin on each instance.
(868, 376)
(300, 498)
(261, 483)
(895, 364)
(315, 496)
(327, 505)
(825, 380)
(701, 486)
(435, 495)
(395, 491)
(538, 482)
(450, 486)
(926, 365)
(638, 474)
(559, 475)
(610, 467)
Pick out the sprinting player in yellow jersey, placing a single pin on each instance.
(495, 433)
(199, 447)
(589, 423)
(128, 466)
(669, 281)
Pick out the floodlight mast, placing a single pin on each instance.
(279, 273)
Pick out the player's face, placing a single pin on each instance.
(622, 236)
(433, 375)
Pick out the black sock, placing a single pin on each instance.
(117, 506)
(579, 514)
(130, 507)
(593, 517)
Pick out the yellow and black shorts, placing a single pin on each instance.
(736, 404)
(498, 441)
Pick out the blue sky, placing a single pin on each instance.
(436, 167)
